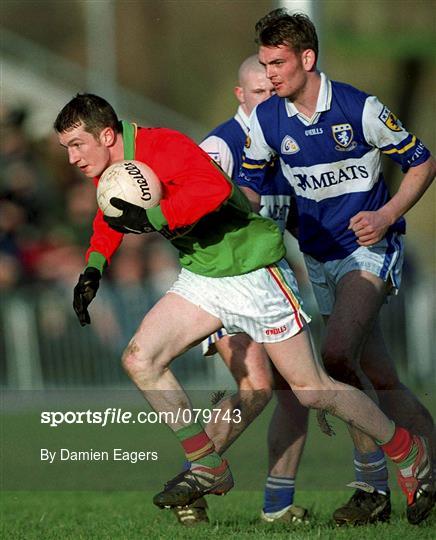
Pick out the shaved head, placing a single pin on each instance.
(253, 85)
(248, 66)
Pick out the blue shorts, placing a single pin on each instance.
(384, 259)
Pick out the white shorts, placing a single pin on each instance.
(384, 259)
(264, 303)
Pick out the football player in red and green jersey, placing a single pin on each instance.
(232, 275)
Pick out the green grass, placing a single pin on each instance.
(107, 500)
(130, 516)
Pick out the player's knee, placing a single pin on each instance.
(288, 401)
(339, 363)
(310, 398)
(130, 358)
(135, 361)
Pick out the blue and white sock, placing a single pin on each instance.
(371, 469)
(279, 494)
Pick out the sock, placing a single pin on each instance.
(402, 450)
(370, 468)
(279, 493)
(197, 446)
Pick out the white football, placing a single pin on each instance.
(129, 180)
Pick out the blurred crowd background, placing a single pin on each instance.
(171, 63)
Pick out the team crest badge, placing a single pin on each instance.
(343, 136)
(390, 120)
(289, 145)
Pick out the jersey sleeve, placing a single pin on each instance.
(219, 151)
(195, 185)
(104, 240)
(257, 154)
(383, 130)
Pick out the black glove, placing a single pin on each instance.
(133, 219)
(84, 293)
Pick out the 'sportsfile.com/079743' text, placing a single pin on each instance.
(113, 415)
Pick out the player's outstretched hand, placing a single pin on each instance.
(84, 293)
(133, 219)
(369, 227)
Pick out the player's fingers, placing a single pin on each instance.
(122, 205)
(83, 316)
(79, 306)
(357, 222)
(367, 240)
(366, 230)
(360, 228)
(366, 236)
(119, 203)
(114, 223)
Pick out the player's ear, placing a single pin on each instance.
(239, 93)
(107, 136)
(308, 58)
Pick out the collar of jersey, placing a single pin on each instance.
(129, 138)
(242, 119)
(323, 102)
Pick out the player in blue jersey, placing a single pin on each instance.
(247, 360)
(226, 142)
(329, 138)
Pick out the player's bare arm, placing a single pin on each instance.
(370, 227)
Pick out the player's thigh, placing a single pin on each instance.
(359, 296)
(172, 326)
(296, 361)
(246, 360)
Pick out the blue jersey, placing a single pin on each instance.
(225, 145)
(332, 161)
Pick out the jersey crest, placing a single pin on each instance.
(343, 136)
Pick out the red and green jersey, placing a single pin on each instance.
(202, 212)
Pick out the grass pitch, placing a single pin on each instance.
(131, 516)
(107, 500)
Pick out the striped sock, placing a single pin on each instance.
(370, 468)
(279, 493)
(402, 450)
(197, 446)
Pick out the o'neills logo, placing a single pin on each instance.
(140, 180)
(275, 331)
